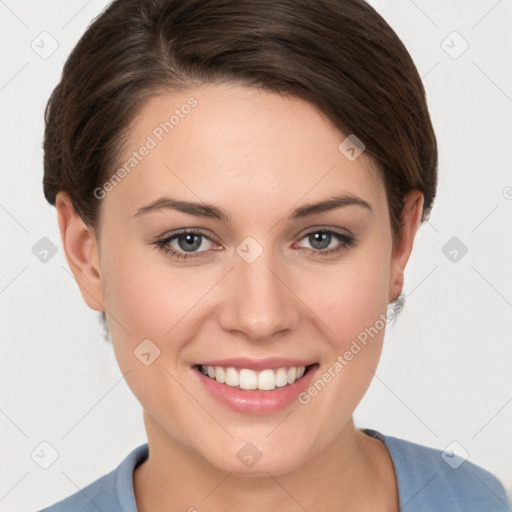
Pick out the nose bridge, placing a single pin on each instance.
(259, 303)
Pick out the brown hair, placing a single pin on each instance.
(339, 55)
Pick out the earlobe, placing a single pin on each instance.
(81, 249)
(411, 219)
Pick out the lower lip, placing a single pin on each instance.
(257, 401)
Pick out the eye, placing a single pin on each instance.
(321, 239)
(187, 243)
(184, 245)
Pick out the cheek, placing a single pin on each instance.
(148, 302)
(353, 308)
(147, 298)
(351, 301)
(350, 296)
(141, 292)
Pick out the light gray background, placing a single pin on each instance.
(446, 370)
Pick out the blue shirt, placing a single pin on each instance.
(428, 480)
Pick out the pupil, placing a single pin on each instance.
(190, 244)
(323, 238)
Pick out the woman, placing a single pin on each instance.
(238, 187)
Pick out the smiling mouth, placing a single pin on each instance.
(247, 379)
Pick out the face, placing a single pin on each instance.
(267, 285)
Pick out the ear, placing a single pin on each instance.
(82, 254)
(411, 218)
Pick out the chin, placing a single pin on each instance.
(250, 461)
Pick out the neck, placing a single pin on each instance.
(354, 472)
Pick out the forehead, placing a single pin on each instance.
(231, 143)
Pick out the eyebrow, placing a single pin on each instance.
(213, 212)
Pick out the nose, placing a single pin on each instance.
(259, 301)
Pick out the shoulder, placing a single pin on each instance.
(432, 479)
(112, 492)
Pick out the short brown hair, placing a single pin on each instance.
(339, 55)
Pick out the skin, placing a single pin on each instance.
(258, 155)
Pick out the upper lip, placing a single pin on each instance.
(257, 364)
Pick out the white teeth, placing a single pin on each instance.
(248, 379)
(232, 377)
(281, 378)
(265, 380)
(220, 375)
(292, 375)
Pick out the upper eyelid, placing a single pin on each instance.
(305, 231)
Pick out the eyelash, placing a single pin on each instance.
(348, 241)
